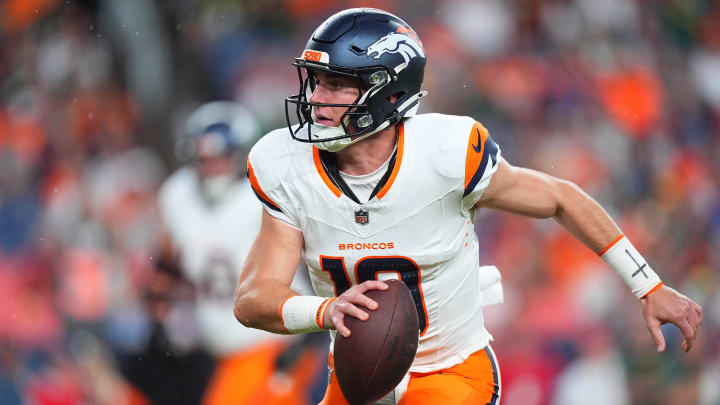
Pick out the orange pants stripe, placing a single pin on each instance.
(475, 381)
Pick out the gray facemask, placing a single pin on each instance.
(214, 188)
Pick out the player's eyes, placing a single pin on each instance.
(331, 84)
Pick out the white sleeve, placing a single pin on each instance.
(271, 194)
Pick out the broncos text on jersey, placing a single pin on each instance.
(418, 225)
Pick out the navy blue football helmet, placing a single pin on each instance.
(376, 49)
(215, 140)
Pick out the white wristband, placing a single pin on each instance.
(627, 262)
(304, 313)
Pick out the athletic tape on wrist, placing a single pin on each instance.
(632, 268)
(303, 313)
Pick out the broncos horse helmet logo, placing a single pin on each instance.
(395, 42)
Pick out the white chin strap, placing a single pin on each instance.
(319, 131)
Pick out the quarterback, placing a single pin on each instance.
(365, 190)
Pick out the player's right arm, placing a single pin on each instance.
(264, 285)
(263, 297)
(268, 271)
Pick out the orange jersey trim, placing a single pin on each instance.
(611, 244)
(258, 190)
(321, 171)
(398, 161)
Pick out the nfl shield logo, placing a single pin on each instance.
(361, 217)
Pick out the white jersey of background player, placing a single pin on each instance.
(417, 225)
(212, 219)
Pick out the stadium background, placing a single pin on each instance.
(620, 96)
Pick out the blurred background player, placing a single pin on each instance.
(211, 217)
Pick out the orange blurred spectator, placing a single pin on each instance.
(634, 98)
(18, 15)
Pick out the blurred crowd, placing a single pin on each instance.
(620, 96)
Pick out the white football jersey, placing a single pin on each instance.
(417, 227)
(213, 242)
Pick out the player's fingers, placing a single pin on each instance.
(686, 323)
(350, 309)
(356, 297)
(364, 300)
(371, 285)
(656, 333)
(688, 332)
(698, 310)
(693, 318)
(340, 325)
(687, 344)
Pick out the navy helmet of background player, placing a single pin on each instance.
(218, 136)
(385, 58)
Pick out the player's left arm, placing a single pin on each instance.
(531, 193)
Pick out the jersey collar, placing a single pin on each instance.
(327, 169)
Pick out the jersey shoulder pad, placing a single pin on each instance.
(459, 147)
(271, 163)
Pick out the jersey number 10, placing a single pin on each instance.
(370, 268)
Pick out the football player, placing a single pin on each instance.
(365, 189)
(211, 218)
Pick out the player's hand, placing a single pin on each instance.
(669, 306)
(348, 304)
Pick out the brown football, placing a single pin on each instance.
(379, 351)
